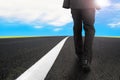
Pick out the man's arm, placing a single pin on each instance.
(66, 4)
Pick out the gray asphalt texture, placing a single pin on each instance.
(17, 55)
(105, 63)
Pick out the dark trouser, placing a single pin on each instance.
(85, 17)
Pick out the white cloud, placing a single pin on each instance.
(57, 29)
(38, 27)
(116, 6)
(46, 11)
(114, 25)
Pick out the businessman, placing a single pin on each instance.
(83, 14)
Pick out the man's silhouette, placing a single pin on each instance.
(83, 14)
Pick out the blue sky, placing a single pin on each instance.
(48, 18)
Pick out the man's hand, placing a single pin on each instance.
(98, 7)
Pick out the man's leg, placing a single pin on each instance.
(88, 21)
(77, 29)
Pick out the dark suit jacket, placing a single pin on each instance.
(78, 4)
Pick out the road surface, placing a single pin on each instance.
(17, 55)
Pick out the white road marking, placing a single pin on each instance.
(41, 68)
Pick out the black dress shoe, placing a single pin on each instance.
(85, 66)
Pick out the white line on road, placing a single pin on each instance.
(41, 68)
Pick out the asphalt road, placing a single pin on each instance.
(105, 63)
(17, 55)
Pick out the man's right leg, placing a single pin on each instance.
(88, 20)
